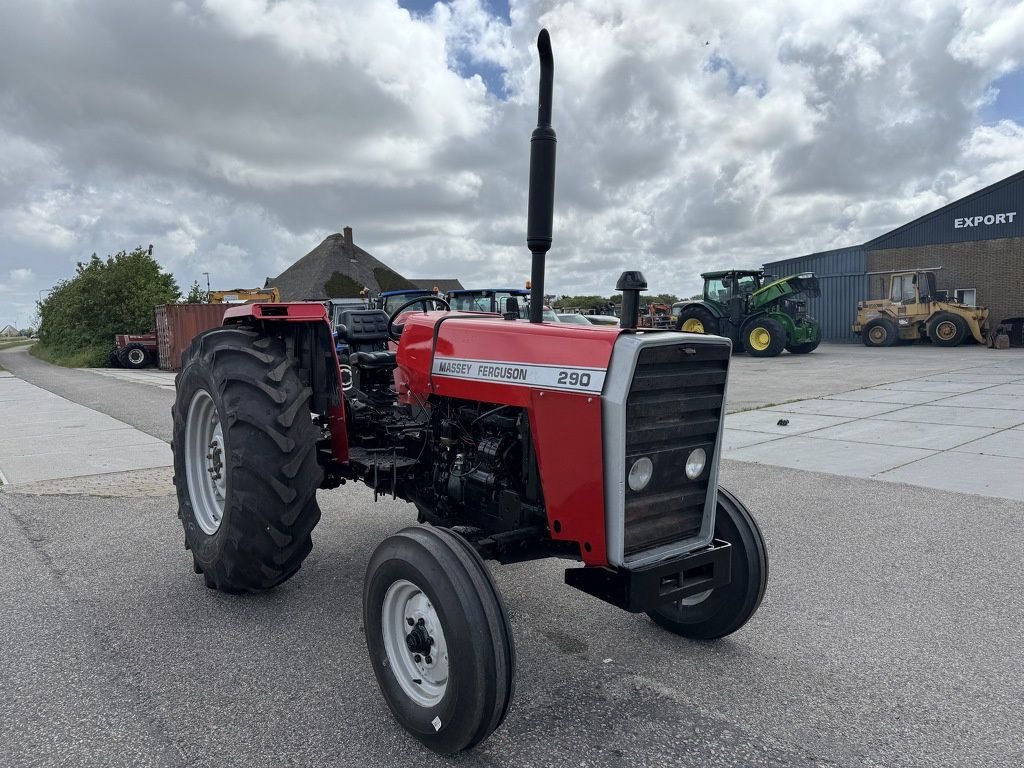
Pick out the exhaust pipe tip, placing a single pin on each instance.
(631, 283)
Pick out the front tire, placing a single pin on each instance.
(720, 612)
(764, 337)
(135, 356)
(947, 330)
(245, 467)
(697, 320)
(428, 595)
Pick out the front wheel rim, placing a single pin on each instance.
(136, 356)
(760, 339)
(205, 462)
(415, 644)
(946, 331)
(693, 325)
(877, 334)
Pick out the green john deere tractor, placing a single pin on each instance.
(762, 319)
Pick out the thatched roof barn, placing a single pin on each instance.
(336, 269)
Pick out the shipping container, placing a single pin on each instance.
(177, 324)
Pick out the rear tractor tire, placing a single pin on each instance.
(763, 337)
(135, 356)
(245, 466)
(719, 612)
(947, 330)
(697, 320)
(880, 332)
(438, 637)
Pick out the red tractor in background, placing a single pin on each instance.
(466, 421)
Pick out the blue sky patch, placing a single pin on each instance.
(1009, 103)
(736, 78)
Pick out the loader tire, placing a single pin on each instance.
(947, 330)
(135, 356)
(763, 337)
(880, 332)
(721, 611)
(245, 466)
(439, 639)
(697, 320)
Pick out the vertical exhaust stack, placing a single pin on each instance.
(542, 180)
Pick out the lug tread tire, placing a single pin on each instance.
(776, 332)
(708, 320)
(943, 317)
(126, 360)
(271, 508)
(480, 645)
(891, 332)
(728, 608)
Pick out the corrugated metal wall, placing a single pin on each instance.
(993, 212)
(843, 284)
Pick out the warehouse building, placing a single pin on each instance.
(975, 245)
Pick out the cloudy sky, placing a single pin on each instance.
(234, 135)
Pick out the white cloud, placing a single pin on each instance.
(690, 136)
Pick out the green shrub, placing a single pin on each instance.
(389, 280)
(81, 316)
(341, 286)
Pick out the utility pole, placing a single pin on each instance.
(207, 287)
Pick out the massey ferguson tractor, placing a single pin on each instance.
(465, 418)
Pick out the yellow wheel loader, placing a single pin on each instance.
(916, 310)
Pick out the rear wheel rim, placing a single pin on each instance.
(693, 325)
(946, 330)
(205, 465)
(412, 634)
(759, 339)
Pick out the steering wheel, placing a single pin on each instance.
(395, 329)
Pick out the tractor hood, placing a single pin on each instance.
(805, 283)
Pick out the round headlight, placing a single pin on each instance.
(695, 463)
(640, 473)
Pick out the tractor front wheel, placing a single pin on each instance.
(947, 330)
(135, 356)
(439, 639)
(245, 467)
(720, 612)
(764, 337)
(880, 332)
(697, 320)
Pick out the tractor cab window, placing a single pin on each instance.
(747, 284)
(472, 302)
(903, 289)
(717, 289)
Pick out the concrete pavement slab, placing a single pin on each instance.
(889, 396)
(924, 385)
(1001, 476)
(739, 438)
(966, 417)
(981, 379)
(88, 461)
(844, 408)
(830, 456)
(1010, 390)
(766, 420)
(1009, 442)
(982, 399)
(47, 437)
(906, 434)
(150, 376)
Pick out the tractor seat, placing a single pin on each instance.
(366, 333)
(373, 360)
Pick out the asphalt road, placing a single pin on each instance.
(890, 635)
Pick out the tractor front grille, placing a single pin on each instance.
(674, 406)
(664, 397)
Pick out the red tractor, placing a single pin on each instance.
(466, 421)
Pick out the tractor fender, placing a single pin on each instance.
(714, 309)
(312, 342)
